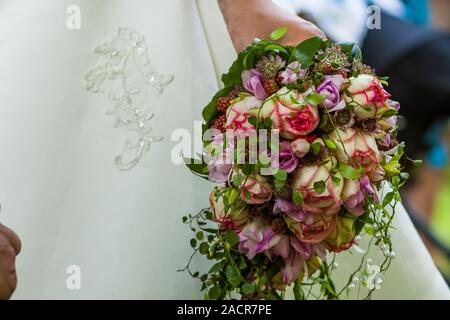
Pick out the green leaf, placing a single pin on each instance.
(305, 51)
(279, 184)
(238, 179)
(297, 198)
(348, 172)
(280, 175)
(198, 168)
(248, 288)
(247, 169)
(233, 276)
(278, 33)
(233, 76)
(346, 47)
(231, 237)
(204, 248)
(323, 121)
(232, 194)
(218, 266)
(253, 121)
(388, 198)
(199, 235)
(215, 292)
(315, 148)
(249, 59)
(361, 221)
(242, 263)
(319, 186)
(209, 230)
(314, 99)
(336, 180)
(298, 292)
(293, 100)
(417, 162)
(276, 48)
(193, 243)
(389, 113)
(330, 143)
(268, 123)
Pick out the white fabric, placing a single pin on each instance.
(60, 189)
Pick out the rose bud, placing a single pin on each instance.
(367, 93)
(353, 197)
(378, 174)
(288, 160)
(300, 147)
(234, 219)
(330, 87)
(290, 114)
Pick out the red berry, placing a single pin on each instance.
(311, 138)
(279, 77)
(223, 103)
(270, 86)
(219, 123)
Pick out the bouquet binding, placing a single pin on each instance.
(328, 172)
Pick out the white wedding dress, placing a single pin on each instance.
(62, 187)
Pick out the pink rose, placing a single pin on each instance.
(367, 93)
(240, 111)
(300, 147)
(235, 219)
(257, 237)
(300, 252)
(353, 197)
(326, 202)
(313, 229)
(330, 87)
(255, 189)
(357, 148)
(290, 114)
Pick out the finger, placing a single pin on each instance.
(12, 237)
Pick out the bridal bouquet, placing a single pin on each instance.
(302, 144)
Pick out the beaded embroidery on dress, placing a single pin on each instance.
(125, 75)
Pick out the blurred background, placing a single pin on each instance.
(408, 40)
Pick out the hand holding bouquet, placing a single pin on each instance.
(302, 142)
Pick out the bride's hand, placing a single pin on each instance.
(9, 248)
(251, 19)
